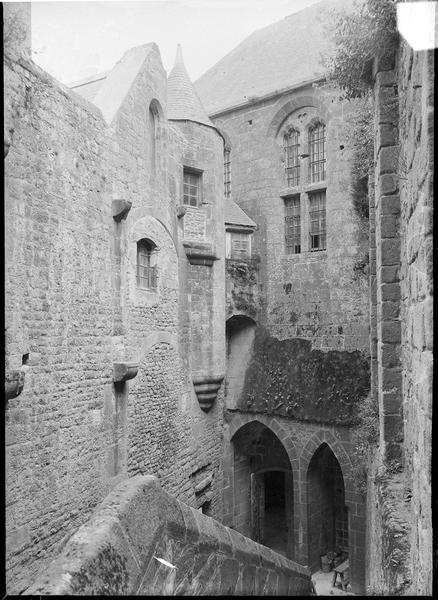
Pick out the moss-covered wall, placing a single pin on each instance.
(289, 378)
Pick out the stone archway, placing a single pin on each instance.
(327, 519)
(353, 500)
(262, 487)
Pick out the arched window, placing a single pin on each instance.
(317, 152)
(146, 272)
(291, 157)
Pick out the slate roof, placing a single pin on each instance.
(183, 102)
(277, 57)
(234, 215)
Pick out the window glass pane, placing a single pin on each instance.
(291, 157)
(317, 216)
(317, 138)
(191, 188)
(292, 220)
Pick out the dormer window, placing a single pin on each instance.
(192, 187)
(146, 272)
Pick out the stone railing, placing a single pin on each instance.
(142, 541)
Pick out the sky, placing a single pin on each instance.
(74, 40)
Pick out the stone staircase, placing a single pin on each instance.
(142, 541)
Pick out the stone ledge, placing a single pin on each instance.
(200, 254)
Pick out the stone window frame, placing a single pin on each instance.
(304, 124)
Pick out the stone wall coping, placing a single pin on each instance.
(122, 535)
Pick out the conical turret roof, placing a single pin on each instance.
(183, 102)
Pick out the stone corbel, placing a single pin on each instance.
(14, 383)
(206, 388)
(120, 209)
(200, 254)
(123, 371)
(181, 211)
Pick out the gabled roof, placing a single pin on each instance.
(235, 216)
(119, 80)
(183, 103)
(275, 58)
(108, 90)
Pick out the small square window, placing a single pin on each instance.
(192, 188)
(240, 245)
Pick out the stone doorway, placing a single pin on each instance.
(263, 488)
(327, 513)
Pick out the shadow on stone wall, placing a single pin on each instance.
(289, 378)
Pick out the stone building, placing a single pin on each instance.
(188, 297)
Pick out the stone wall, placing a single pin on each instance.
(399, 495)
(141, 541)
(416, 84)
(73, 308)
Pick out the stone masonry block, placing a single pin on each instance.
(387, 160)
(385, 135)
(388, 226)
(389, 354)
(389, 291)
(391, 379)
(388, 184)
(392, 402)
(391, 331)
(389, 274)
(390, 310)
(390, 251)
(389, 204)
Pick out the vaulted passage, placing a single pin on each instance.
(263, 488)
(326, 510)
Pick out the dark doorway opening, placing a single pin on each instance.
(326, 510)
(275, 525)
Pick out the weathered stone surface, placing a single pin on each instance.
(116, 552)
